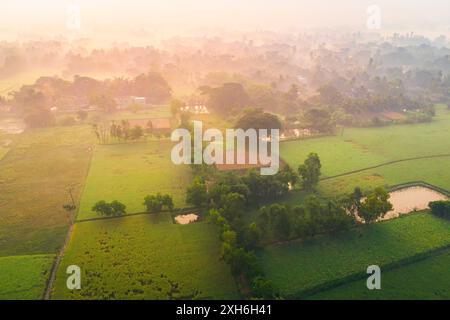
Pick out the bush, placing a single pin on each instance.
(441, 208)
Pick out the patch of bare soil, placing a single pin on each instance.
(186, 219)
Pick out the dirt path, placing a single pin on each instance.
(56, 263)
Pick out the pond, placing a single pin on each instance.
(412, 199)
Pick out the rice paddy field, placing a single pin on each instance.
(35, 178)
(146, 257)
(426, 280)
(297, 267)
(130, 172)
(24, 277)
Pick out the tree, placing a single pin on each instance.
(263, 289)
(117, 208)
(28, 99)
(104, 102)
(114, 208)
(156, 203)
(152, 86)
(375, 206)
(279, 220)
(257, 119)
(175, 106)
(196, 193)
(39, 118)
(289, 176)
(167, 202)
(352, 203)
(228, 98)
(440, 208)
(318, 119)
(251, 236)
(310, 171)
(232, 206)
(244, 263)
(136, 133)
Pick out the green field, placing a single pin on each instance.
(146, 257)
(360, 148)
(433, 171)
(24, 277)
(299, 266)
(428, 279)
(129, 172)
(35, 177)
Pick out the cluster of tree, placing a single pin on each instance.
(156, 203)
(232, 97)
(123, 130)
(370, 208)
(252, 187)
(441, 208)
(228, 99)
(281, 222)
(238, 243)
(258, 119)
(34, 102)
(112, 209)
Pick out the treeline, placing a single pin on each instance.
(281, 222)
(34, 102)
(153, 204)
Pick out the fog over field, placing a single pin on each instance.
(224, 149)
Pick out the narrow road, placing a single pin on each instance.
(51, 280)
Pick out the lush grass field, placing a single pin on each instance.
(146, 257)
(433, 171)
(129, 172)
(428, 279)
(360, 148)
(24, 277)
(299, 266)
(34, 180)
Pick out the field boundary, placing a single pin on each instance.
(384, 165)
(302, 294)
(60, 254)
(419, 184)
(173, 212)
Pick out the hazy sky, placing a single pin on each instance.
(51, 16)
